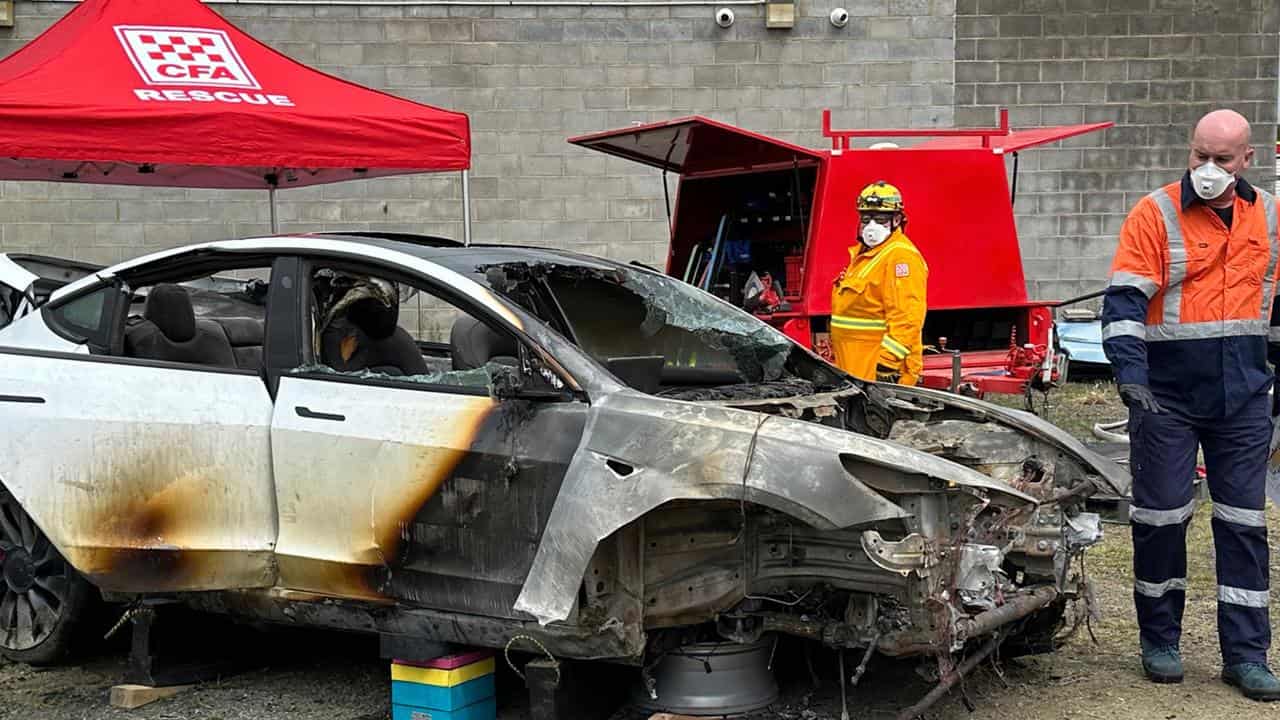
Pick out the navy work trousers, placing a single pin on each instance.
(1162, 460)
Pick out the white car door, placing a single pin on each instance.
(423, 489)
(147, 476)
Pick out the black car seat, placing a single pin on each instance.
(367, 337)
(472, 344)
(169, 331)
(246, 336)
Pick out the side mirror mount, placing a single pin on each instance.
(526, 379)
(507, 382)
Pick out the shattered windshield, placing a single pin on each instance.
(624, 313)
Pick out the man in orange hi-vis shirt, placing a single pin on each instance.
(1186, 323)
(878, 302)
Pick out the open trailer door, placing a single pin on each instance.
(743, 214)
(696, 146)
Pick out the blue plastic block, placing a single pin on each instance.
(434, 697)
(483, 710)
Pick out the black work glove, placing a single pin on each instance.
(1139, 397)
(887, 374)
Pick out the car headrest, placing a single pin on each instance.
(169, 307)
(473, 344)
(373, 317)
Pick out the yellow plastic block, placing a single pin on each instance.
(442, 678)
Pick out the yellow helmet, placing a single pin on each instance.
(880, 196)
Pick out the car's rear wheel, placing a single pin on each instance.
(42, 598)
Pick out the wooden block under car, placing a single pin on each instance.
(129, 697)
(453, 687)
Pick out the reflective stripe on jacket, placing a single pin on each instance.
(882, 294)
(1189, 306)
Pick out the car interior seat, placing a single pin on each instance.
(246, 336)
(169, 331)
(367, 337)
(472, 344)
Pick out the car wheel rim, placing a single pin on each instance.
(34, 587)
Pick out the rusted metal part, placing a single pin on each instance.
(834, 634)
(1014, 609)
(950, 680)
(788, 553)
(908, 644)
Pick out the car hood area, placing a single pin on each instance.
(832, 461)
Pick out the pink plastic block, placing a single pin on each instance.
(448, 662)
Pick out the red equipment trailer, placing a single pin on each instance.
(750, 203)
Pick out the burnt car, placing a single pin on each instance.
(396, 434)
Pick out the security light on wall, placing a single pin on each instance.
(6, 13)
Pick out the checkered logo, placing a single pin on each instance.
(184, 56)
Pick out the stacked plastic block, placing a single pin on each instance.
(452, 687)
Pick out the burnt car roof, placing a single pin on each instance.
(467, 260)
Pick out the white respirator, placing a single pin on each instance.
(873, 233)
(1210, 181)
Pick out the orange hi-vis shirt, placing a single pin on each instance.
(878, 308)
(1189, 307)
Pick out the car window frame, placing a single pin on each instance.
(100, 341)
(310, 262)
(106, 344)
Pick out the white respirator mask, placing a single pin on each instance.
(873, 234)
(1210, 181)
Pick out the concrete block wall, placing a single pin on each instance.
(532, 76)
(1152, 67)
(529, 77)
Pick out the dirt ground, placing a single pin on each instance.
(329, 676)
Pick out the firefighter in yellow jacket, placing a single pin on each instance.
(878, 303)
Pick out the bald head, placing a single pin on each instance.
(1222, 137)
(1222, 127)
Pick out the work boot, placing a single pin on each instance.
(1254, 680)
(1163, 664)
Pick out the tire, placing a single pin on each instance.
(43, 601)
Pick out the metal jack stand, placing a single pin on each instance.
(561, 690)
(147, 666)
(548, 696)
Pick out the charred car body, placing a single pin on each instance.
(405, 436)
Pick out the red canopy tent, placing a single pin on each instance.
(167, 92)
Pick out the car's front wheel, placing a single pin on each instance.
(43, 599)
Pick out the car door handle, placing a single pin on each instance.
(309, 413)
(22, 399)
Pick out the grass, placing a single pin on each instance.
(1076, 406)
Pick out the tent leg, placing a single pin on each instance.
(466, 207)
(271, 199)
